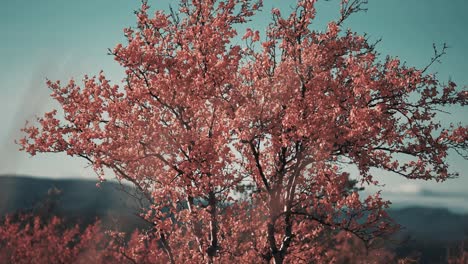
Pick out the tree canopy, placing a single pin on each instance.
(245, 151)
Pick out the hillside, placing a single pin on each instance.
(426, 230)
(76, 200)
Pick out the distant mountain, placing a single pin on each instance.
(75, 199)
(431, 223)
(429, 232)
(426, 230)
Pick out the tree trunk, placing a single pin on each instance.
(278, 258)
(212, 250)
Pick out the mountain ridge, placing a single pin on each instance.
(427, 230)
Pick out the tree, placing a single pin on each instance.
(28, 239)
(245, 151)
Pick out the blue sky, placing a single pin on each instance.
(61, 39)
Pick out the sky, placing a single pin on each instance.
(63, 39)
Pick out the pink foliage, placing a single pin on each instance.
(30, 240)
(199, 118)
